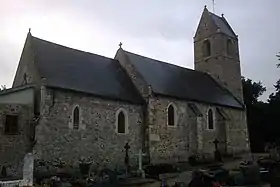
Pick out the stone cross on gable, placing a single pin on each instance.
(120, 44)
(24, 79)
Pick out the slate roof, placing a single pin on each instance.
(175, 81)
(76, 70)
(222, 23)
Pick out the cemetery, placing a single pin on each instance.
(241, 170)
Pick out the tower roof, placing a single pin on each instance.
(219, 22)
(222, 24)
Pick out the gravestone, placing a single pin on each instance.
(126, 158)
(140, 164)
(217, 153)
(28, 167)
(3, 172)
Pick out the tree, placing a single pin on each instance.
(263, 118)
(273, 111)
(255, 109)
(252, 91)
(275, 97)
(278, 56)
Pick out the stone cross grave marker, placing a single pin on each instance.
(140, 163)
(28, 166)
(217, 153)
(126, 158)
(216, 142)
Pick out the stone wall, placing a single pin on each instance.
(96, 137)
(170, 143)
(14, 147)
(191, 135)
(224, 68)
(238, 136)
(236, 130)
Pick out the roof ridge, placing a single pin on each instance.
(175, 65)
(226, 22)
(70, 48)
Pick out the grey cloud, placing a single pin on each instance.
(159, 29)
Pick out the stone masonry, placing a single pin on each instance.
(173, 144)
(223, 67)
(14, 147)
(96, 138)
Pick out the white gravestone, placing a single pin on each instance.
(28, 167)
(140, 168)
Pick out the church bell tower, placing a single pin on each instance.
(216, 52)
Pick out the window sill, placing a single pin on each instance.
(172, 126)
(121, 134)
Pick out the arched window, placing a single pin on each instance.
(121, 122)
(171, 115)
(206, 48)
(229, 47)
(76, 118)
(210, 119)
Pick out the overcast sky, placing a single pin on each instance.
(161, 29)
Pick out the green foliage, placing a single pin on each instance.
(278, 56)
(274, 98)
(252, 91)
(263, 118)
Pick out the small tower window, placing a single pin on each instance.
(206, 48)
(76, 118)
(121, 122)
(171, 115)
(210, 119)
(229, 47)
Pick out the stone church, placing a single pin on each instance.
(67, 105)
